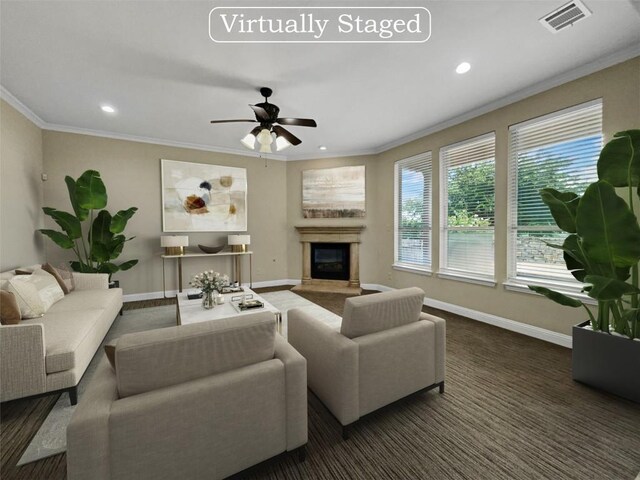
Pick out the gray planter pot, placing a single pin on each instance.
(608, 362)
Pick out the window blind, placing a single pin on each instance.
(413, 212)
(557, 151)
(468, 208)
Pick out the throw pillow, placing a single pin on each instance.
(47, 267)
(9, 310)
(67, 276)
(26, 295)
(48, 288)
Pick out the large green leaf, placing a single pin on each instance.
(61, 239)
(90, 191)
(82, 267)
(619, 162)
(100, 230)
(557, 297)
(100, 252)
(128, 264)
(69, 223)
(605, 288)
(116, 245)
(108, 268)
(609, 230)
(120, 219)
(81, 213)
(563, 206)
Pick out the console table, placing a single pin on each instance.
(237, 269)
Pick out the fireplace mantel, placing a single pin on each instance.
(331, 234)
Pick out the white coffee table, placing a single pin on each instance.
(191, 311)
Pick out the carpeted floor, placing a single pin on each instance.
(511, 411)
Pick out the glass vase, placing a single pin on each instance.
(208, 301)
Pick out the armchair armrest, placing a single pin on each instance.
(295, 372)
(441, 343)
(91, 281)
(332, 364)
(88, 431)
(22, 357)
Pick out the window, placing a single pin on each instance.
(559, 151)
(413, 212)
(468, 209)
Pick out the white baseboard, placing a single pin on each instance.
(518, 327)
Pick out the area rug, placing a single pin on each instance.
(51, 437)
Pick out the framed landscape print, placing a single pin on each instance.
(333, 192)
(198, 197)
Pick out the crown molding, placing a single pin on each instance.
(8, 97)
(619, 56)
(159, 141)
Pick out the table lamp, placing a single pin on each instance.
(239, 242)
(174, 244)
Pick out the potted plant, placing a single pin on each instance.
(94, 235)
(602, 250)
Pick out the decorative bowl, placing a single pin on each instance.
(207, 249)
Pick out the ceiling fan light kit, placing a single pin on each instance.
(267, 115)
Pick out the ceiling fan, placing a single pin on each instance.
(267, 116)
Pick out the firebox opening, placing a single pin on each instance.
(330, 261)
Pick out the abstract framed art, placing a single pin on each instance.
(333, 192)
(198, 197)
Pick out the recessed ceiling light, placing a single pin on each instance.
(107, 109)
(322, 147)
(464, 67)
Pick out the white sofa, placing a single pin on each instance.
(51, 353)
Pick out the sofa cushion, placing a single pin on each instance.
(381, 311)
(83, 299)
(9, 310)
(154, 359)
(63, 334)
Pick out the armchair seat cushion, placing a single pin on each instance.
(374, 313)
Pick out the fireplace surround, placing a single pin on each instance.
(321, 236)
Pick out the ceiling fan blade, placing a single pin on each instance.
(260, 112)
(232, 121)
(290, 137)
(300, 122)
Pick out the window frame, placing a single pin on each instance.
(427, 158)
(519, 283)
(444, 271)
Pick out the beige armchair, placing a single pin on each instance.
(386, 349)
(200, 401)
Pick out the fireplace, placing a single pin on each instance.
(330, 258)
(330, 261)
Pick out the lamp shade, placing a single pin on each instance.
(239, 239)
(174, 241)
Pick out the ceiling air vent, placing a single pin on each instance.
(565, 16)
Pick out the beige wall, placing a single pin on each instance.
(20, 190)
(368, 248)
(618, 86)
(131, 172)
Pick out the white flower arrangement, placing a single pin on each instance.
(208, 281)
